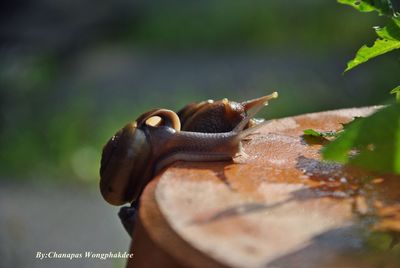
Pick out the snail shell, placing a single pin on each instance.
(213, 132)
(127, 156)
(217, 116)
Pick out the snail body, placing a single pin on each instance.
(208, 131)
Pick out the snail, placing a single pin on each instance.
(207, 131)
(216, 116)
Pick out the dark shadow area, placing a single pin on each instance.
(335, 180)
(316, 168)
(242, 209)
(218, 169)
(341, 247)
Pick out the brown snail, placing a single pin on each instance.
(216, 116)
(211, 131)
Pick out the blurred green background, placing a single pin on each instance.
(73, 72)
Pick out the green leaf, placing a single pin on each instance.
(383, 7)
(389, 36)
(314, 133)
(390, 31)
(396, 90)
(365, 53)
(375, 139)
